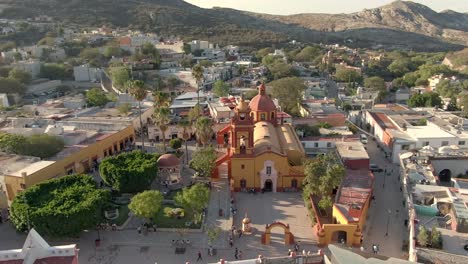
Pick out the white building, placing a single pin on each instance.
(31, 66)
(85, 73)
(199, 45)
(4, 100)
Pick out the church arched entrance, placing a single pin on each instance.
(268, 186)
(288, 236)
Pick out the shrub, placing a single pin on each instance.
(60, 207)
(129, 172)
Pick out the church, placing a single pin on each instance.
(263, 153)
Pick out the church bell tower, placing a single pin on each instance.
(242, 130)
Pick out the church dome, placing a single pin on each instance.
(168, 161)
(262, 102)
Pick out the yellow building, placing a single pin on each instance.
(350, 209)
(262, 154)
(76, 158)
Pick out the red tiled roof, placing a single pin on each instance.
(125, 41)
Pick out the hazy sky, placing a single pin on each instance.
(285, 7)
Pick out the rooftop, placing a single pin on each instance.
(31, 168)
(351, 150)
(10, 162)
(429, 131)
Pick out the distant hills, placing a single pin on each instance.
(400, 24)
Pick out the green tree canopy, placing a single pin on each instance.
(120, 76)
(221, 88)
(401, 66)
(55, 71)
(429, 99)
(289, 92)
(448, 89)
(423, 237)
(204, 130)
(146, 204)
(175, 143)
(129, 172)
(19, 75)
(113, 51)
(279, 69)
(60, 207)
(96, 97)
(194, 199)
(10, 86)
(347, 75)
(322, 175)
(308, 54)
(124, 108)
(375, 83)
(42, 146)
(203, 161)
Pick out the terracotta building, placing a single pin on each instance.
(261, 153)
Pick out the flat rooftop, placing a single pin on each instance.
(32, 168)
(10, 163)
(429, 131)
(351, 150)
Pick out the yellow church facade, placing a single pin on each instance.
(262, 154)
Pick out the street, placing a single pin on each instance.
(386, 216)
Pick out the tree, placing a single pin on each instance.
(11, 143)
(375, 83)
(90, 54)
(346, 107)
(175, 143)
(206, 63)
(194, 113)
(279, 69)
(112, 51)
(347, 75)
(185, 125)
(203, 161)
(250, 94)
(129, 172)
(423, 236)
(96, 97)
(146, 204)
(162, 120)
(194, 200)
(197, 73)
(400, 67)
(150, 51)
(120, 76)
(187, 48)
(289, 92)
(172, 82)
(124, 108)
(203, 130)
(61, 207)
(138, 91)
(452, 106)
(11, 86)
(42, 146)
(221, 89)
(429, 99)
(308, 54)
(322, 175)
(436, 238)
(54, 71)
(4, 71)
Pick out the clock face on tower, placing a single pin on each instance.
(242, 116)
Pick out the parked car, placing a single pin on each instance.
(363, 139)
(375, 168)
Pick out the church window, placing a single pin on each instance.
(272, 115)
(262, 116)
(268, 170)
(242, 166)
(242, 116)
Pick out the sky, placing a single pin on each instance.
(286, 7)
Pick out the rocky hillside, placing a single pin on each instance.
(398, 25)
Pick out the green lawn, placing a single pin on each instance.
(164, 221)
(123, 215)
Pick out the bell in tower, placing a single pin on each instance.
(242, 129)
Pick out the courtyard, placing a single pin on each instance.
(263, 209)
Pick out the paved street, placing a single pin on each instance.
(386, 210)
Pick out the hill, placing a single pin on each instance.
(398, 25)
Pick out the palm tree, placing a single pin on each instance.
(203, 130)
(138, 91)
(185, 125)
(161, 117)
(197, 73)
(161, 99)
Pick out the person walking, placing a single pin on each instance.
(199, 256)
(139, 230)
(240, 233)
(236, 254)
(240, 254)
(231, 243)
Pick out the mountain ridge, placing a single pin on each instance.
(399, 24)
